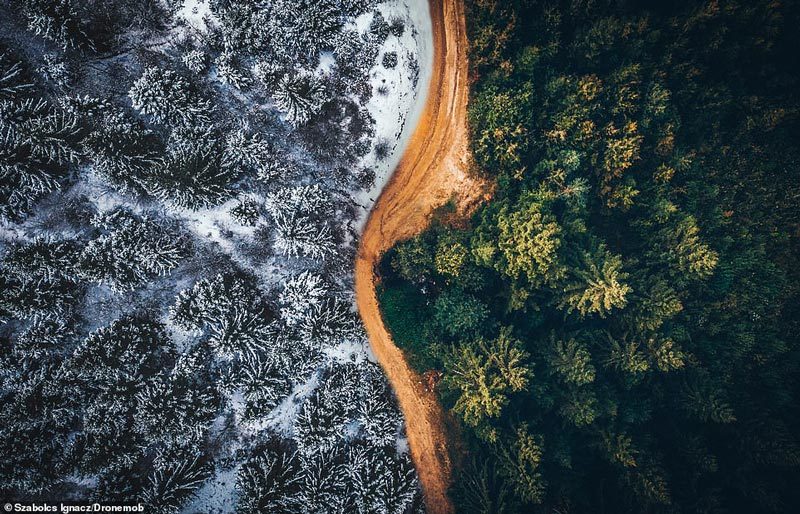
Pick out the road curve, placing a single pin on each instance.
(430, 172)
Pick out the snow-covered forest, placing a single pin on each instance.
(181, 188)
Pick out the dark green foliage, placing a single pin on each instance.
(616, 326)
(404, 310)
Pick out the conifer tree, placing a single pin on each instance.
(300, 96)
(269, 481)
(597, 285)
(130, 254)
(169, 98)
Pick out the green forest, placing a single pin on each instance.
(618, 327)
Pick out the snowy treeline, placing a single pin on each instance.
(177, 184)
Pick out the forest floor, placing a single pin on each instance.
(431, 172)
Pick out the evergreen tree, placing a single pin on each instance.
(169, 98)
(300, 96)
(130, 254)
(269, 481)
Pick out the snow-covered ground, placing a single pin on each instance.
(396, 115)
(398, 100)
(366, 91)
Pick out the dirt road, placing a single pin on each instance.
(431, 171)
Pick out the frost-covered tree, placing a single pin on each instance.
(300, 293)
(300, 96)
(26, 298)
(383, 481)
(325, 483)
(43, 132)
(305, 27)
(320, 424)
(195, 60)
(246, 212)
(193, 174)
(297, 231)
(118, 146)
(104, 375)
(38, 141)
(32, 439)
(56, 71)
(354, 55)
(302, 236)
(179, 404)
(130, 252)
(263, 382)
(379, 28)
(332, 319)
(230, 71)
(270, 481)
(377, 411)
(58, 21)
(169, 98)
(322, 419)
(309, 199)
(177, 474)
(44, 342)
(42, 258)
(268, 73)
(244, 26)
(229, 308)
(247, 150)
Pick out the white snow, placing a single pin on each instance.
(197, 14)
(396, 115)
(217, 496)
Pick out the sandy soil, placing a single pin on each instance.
(431, 171)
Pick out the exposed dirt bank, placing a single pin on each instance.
(431, 171)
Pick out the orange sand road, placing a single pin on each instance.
(430, 172)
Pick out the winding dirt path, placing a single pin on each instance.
(431, 171)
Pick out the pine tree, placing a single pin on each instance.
(58, 21)
(229, 71)
(520, 462)
(324, 484)
(247, 150)
(328, 321)
(572, 362)
(229, 308)
(270, 481)
(597, 286)
(168, 98)
(264, 383)
(175, 479)
(320, 424)
(301, 293)
(35, 128)
(193, 175)
(131, 254)
(300, 96)
(178, 405)
(485, 374)
(42, 258)
(195, 61)
(384, 482)
(310, 25)
(530, 240)
(377, 411)
(119, 147)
